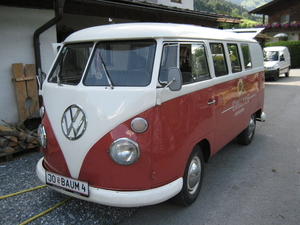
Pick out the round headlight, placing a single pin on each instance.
(124, 151)
(42, 136)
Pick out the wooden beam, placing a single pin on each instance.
(21, 93)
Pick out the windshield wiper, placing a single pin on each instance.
(107, 75)
(105, 70)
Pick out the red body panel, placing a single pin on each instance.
(236, 101)
(165, 146)
(175, 127)
(54, 159)
(101, 171)
(179, 124)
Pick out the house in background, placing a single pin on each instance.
(184, 4)
(29, 28)
(283, 19)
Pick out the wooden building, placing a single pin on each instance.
(281, 19)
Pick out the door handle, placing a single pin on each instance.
(212, 101)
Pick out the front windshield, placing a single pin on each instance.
(270, 56)
(70, 64)
(121, 63)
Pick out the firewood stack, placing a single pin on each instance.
(16, 137)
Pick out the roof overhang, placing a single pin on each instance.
(269, 8)
(229, 20)
(127, 8)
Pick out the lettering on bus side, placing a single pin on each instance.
(239, 103)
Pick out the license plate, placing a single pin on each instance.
(67, 183)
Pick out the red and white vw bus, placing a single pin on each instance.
(132, 111)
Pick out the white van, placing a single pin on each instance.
(277, 61)
(132, 111)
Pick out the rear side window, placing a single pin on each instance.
(191, 58)
(219, 60)
(234, 58)
(193, 63)
(246, 56)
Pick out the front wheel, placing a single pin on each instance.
(246, 136)
(287, 74)
(192, 179)
(276, 76)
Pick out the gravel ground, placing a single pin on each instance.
(19, 175)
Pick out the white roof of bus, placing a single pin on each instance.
(250, 32)
(152, 30)
(275, 48)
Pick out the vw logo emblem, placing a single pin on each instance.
(73, 122)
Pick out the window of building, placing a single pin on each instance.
(284, 18)
(176, 1)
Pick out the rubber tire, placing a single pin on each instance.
(246, 136)
(185, 197)
(276, 76)
(287, 74)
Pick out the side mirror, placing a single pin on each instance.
(281, 58)
(174, 79)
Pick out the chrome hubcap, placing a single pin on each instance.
(251, 126)
(194, 174)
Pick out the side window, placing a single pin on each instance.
(234, 58)
(219, 60)
(169, 59)
(246, 56)
(193, 63)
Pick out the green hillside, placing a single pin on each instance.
(229, 8)
(250, 4)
